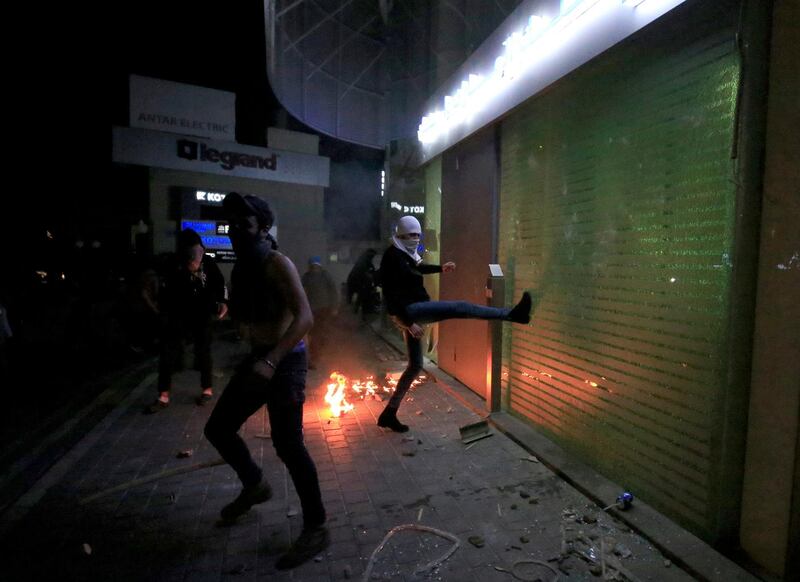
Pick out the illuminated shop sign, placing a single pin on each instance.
(158, 149)
(407, 209)
(539, 43)
(215, 198)
(214, 234)
(192, 150)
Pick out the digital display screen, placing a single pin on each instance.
(213, 233)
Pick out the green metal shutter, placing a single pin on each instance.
(617, 209)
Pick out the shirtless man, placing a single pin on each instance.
(268, 301)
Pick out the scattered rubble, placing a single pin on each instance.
(604, 559)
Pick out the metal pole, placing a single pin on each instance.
(495, 297)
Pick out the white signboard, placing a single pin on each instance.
(179, 108)
(180, 152)
(540, 42)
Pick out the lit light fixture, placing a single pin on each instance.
(540, 37)
(520, 50)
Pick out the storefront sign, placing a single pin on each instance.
(214, 198)
(179, 108)
(540, 42)
(407, 209)
(160, 150)
(192, 150)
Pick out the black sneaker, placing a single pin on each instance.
(204, 399)
(312, 541)
(249, 497)
(521, 313)
(389, 420)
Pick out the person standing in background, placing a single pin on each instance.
(361, 283)
(324, 299)
(193, 297)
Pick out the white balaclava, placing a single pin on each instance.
(408, 225)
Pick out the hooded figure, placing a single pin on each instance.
(361, 283)
(408, 303)
(404, 239)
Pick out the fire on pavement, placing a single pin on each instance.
(342, 390)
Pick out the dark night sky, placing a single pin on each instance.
(220, 46)
(72, 86)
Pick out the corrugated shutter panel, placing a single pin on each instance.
(617, 208)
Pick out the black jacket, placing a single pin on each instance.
(401, 280)
(188, 296)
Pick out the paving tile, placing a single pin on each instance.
(372, 480)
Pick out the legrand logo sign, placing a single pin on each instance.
(542, 48)
(194, 151)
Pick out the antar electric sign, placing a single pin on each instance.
(192, 150)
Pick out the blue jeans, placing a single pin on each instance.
(284, 396)
(428, 312)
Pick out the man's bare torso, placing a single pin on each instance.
(277, 318)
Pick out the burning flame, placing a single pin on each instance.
(341, 387)
(336, 395)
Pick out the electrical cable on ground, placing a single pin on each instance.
(417, 527)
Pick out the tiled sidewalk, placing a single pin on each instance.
(372, 481)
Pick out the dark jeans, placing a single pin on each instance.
(284, 396)
(428, 312)
(318, 335)
(366, 301)
(174, 332)
(414, 347)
